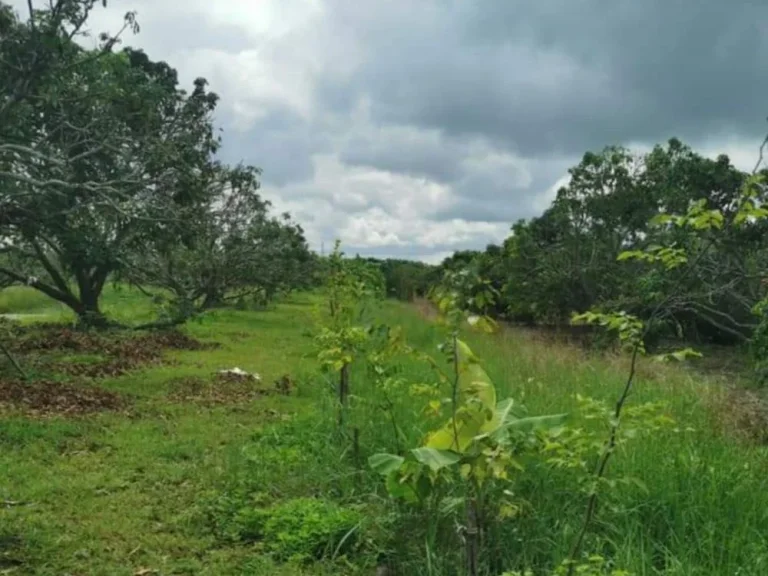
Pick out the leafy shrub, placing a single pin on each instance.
(301, 528)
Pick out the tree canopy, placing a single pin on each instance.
(567, 259)
(108, 166)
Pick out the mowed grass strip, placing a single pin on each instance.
(116, 493)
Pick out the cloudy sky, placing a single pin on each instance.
(412, 128)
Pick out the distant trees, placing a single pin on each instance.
(405, 279)
(224, 249)
(107, 166)
(566, 259)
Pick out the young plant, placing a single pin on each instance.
(469, 460)
(350, 291)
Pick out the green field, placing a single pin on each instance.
(177, 483)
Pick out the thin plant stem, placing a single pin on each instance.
(610, 445)
(7, 353)
(455, 391)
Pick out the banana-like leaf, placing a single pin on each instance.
(480, 416)
(398, 489)
(435, 459)
(384, 464)
(534, 422)
(477, 398)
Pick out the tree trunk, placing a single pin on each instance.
(212, 300)
(88, 313)
(343, 391)
(13, 361)
(473, 538)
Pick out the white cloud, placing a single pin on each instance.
(370, 208)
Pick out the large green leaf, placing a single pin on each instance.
(477, 399)
(535, 422)
(399, 489)
(384, 464)
(435, 459)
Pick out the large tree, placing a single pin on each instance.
(97, 152)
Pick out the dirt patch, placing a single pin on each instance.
(225, 388)
(116, 352)
(104, 369)
(175, 340)
(741, 413)
(46, 398)
(426, 309)
(216, 391)
(111, 343)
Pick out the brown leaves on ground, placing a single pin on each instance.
(53, 337)
(224, 389)
(46, 398)
(741, 413)
(53, 349)
(118, 352)
(216, 391)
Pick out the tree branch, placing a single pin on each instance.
(54, 274)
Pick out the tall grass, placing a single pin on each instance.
(705, 510)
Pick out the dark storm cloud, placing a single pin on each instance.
(281, 144)
(406, 151)
(544, 82)
(563, 76)
(495, 196)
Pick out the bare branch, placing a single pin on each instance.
(760, 155)
(31, 9)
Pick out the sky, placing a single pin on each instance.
(413, 128)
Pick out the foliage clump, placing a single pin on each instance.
(298, 529)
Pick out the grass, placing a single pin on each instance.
(170, 487)
(118, 302)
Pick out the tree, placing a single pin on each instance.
(566, 259)
(225, 248)
(404, 279)
(100, 151)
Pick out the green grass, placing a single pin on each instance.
(119, 302)
(168, 486)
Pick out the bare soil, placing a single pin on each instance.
(47, 398)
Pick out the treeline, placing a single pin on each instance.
(109, 172)
(405, 279)
(390, 277)
(602, 242)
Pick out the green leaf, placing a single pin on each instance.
(661, 219)
(679, 355)
(629, 254)
(398, 489)
(504, 410)
(536, 422)
(385, 463)
(435, 459)
(478, 400)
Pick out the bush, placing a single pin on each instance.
(301, 528)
